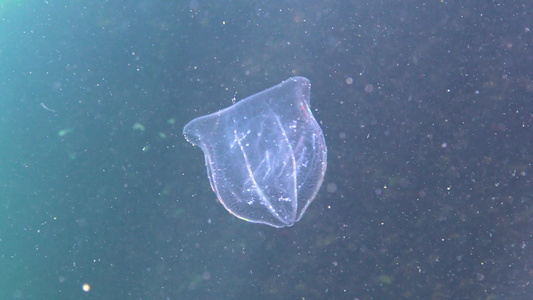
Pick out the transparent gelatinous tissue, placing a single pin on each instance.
(265, 155)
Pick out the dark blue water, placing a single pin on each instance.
(425, 107)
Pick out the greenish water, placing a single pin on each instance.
(426, 110)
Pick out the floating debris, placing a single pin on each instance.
(65, 131)
(138, 126)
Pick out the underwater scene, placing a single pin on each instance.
(266, 149)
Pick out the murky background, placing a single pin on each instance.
(426, 107)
